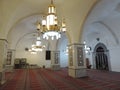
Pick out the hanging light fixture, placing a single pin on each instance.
(32, 49)
(50, 27)
(37, 46)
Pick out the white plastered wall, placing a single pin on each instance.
(62, 46)
(103, 23)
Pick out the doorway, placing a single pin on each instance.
(101, 57)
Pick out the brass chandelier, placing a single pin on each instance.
(50, 26)
(37, 46)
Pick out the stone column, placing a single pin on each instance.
(77, 63)
(55, 60)
(3, 57)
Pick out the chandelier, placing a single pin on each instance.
(32, 50)
(37, 46)
(50, 26)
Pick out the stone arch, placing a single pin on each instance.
(81, 40)
(109, 29)
(101, 57)
(100, 45)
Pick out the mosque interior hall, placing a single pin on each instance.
(59, 45)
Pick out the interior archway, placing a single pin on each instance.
(24, 34)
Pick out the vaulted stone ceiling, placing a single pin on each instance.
(103, 22)
(14, 11)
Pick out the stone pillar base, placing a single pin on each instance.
(55, 67)
(76, 73)
(2, 78)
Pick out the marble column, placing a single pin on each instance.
(77, 63)
(55, 60)
(3, 58)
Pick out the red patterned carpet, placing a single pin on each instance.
(46, 79)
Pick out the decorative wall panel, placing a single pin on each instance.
(57, 57)
(9, 58)
(70, 57)
(80, 56)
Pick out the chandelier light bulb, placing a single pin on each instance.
(43, 22)
(38, 26)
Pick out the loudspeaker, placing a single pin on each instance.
(48, 55)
